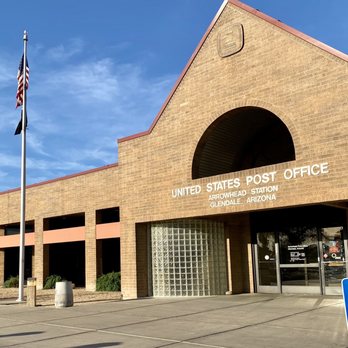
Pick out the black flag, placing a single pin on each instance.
(19, 126)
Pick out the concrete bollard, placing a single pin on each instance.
(63, 294)
(31, 292)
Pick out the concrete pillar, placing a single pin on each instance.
(248, 280)
(228, 260)
(128, 260)
(90, 250)
(31, 292)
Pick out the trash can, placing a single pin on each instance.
(63, 294)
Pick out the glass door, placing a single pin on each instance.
(267, 259)
(334, 259)
(299, 260)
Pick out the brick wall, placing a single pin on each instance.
(82, 193)
(305, 86)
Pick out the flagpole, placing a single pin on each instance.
(23, 176)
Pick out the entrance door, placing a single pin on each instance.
(301, 260)
(267, 258)
(334, 261)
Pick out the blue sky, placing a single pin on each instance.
(101, 70)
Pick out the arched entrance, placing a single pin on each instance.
(295, 250)
(243, 138)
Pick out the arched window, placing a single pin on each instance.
(243, 138)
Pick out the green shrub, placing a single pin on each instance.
(50, 282)
(12, 282)
(109, 282)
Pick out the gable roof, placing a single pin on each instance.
(258, 14)
(289, 29)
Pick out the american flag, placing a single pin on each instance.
(19, 95)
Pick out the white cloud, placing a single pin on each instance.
(41, 117)
(54, 165)
(65, 52)
(6, 76)
(98, 153)
(76, 112)
(9, 160)
(35, 142)
(9, 117)
(87, 82)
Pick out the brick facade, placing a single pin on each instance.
(302, 84)
(298, 80)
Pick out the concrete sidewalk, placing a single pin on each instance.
(222, 321)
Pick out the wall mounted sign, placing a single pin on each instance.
(230, 40)
(249, 189)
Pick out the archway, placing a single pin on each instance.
(243, 138)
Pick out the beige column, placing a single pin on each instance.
(247, 242)
(228, 259)
(2, 260)
(128, 260)
(39, 259)
(90, 250)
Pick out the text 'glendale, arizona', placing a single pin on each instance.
(236, 191)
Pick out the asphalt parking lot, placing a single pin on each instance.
(222, 321)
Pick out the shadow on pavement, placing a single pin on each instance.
(22, 334)
(99, 345)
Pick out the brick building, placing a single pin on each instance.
(239, 185)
